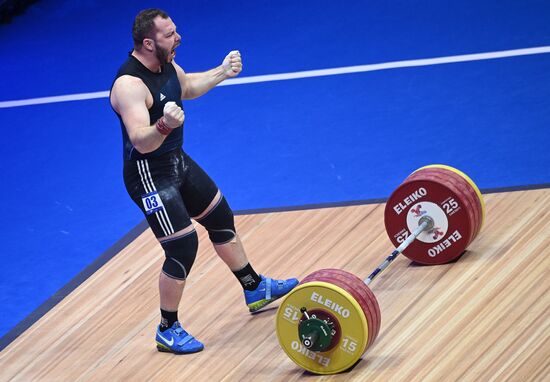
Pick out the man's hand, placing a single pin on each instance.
(232, 64)
(173, 115)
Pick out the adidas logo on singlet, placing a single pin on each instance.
(162, 96)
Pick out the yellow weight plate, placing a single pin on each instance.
(339, 303)
(469, 180)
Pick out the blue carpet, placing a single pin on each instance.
(280, 144)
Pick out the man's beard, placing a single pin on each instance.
(162, 54)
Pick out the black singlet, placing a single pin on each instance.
(164, 87)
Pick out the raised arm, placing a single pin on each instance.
(194, 85)
(129, 99)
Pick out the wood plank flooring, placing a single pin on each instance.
(485, 317)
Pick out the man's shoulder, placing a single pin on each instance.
(128, 88)
(128, 82)
(129, 79)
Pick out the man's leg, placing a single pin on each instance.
(209, 208)
(180, 250)
(154, 191)
(259, 291)
(232, 251)
(171, 287)
(170, 291)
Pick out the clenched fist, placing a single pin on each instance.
(173, 115)
(232, 64)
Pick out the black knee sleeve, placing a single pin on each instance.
(220, 223)
(180, 255)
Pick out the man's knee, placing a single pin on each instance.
(219, 223)
(180, 255)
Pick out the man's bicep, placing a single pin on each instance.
(134, 116)
(129, 100)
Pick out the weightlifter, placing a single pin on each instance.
(163, 180)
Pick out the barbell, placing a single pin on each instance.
(330, 319)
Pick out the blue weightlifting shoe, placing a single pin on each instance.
(268, 291)
(178, 341)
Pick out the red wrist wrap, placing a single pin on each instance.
(162, 127)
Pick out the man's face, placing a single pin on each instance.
(166, 40)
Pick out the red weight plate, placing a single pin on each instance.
(367, 295)
(459, 186)
(456, 186)
(479, 197)
(456, 183)
(332, 278)
(345, 285)
(468, 190)
(448, 176)
(364, 292)
(453, 216)
(462, 198)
